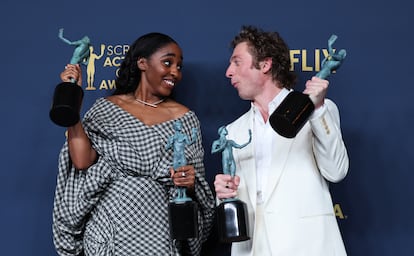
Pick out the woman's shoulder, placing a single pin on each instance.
(177, 109)
(119, 100)
(183, 113)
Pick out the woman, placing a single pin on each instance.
(115, 177)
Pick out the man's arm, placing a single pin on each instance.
(329, 148)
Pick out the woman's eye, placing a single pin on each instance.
(170, 63)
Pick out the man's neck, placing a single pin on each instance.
(261, 101)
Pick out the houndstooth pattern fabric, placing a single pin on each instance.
(119, 205)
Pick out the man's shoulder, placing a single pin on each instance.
(331, 105)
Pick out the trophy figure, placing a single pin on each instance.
(293, 112)
(67, 97)
(231, 212)
(182, 209)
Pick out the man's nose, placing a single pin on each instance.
(229, 72)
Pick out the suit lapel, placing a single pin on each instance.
(280, 150)
(247, 154)
(250, 175)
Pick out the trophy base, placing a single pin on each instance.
(290, 116)
(183, 220)
(233, 221)
(67, 100)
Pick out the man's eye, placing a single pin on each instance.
(167, 63)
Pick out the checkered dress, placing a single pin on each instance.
(119, 205)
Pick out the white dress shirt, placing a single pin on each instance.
(264, 137)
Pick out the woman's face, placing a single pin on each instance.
(162, 70)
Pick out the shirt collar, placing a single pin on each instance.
(273, 104)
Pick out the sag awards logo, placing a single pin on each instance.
(106, 57)
(109, 58)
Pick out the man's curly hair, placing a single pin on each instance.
(264, 45)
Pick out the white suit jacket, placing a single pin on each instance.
(298, 209)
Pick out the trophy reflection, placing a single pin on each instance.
(67, 97)
(293, 112)
(231, 212)
(182, 209)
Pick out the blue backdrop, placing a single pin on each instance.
(373, 90)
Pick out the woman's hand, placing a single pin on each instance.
(72, 72)
(184, 176)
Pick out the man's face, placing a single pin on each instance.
(244, 76)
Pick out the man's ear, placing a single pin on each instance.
(266, 65)
(142, 64)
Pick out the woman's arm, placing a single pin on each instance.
(81, 151)
(80, 148)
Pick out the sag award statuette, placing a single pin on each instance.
(67, 98)
(295, 109)
(182, 210)
(232, 216)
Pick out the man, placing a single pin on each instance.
(283, 181)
